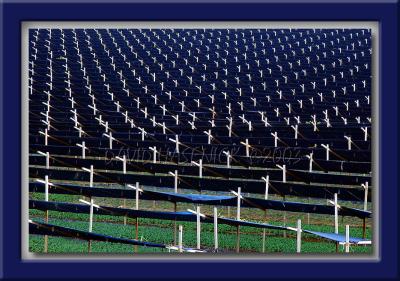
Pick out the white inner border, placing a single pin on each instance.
(269, 257)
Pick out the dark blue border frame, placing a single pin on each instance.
(385, 13)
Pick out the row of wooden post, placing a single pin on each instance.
(175, 174)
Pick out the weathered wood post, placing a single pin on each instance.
(347, 239)
(216, 229)
(298, 248)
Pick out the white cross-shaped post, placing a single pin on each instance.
(208, 135)
(142, 132)
(200, 165)
(348, 142)
(314, 122)
(45, 136)
(215, 228)
(266, 179)
(365, 186)
(110, 138)
(47, 154)
(91, 204)
(46, 186)
(198, 226)
(91, 171)
(336, 208)
(180, 248)
(298, 230)
(347, 243)
(175, 175)
(228, 159)
(84, 148)
(275, 135)
(296, 130)
(123, 159)
(239, 197)
(310, 156)
(138, 190)
(246, 144)
(230, 126)
(177, 142)
(326, 146)
(283, 168)
(365, 130)
(154, 149)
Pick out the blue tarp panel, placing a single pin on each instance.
(336, 237)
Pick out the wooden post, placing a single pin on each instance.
(175, 174)
(215, 229)
(365, 207)
(284, 218)
(91, 203)
(336, 214)
(198, 230)
(137, 219)
(238, 218)
(336, 220)
(347, 247)
(298, 248)
(46, 198)
(180, 239)
(266, 179)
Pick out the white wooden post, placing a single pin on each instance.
(198, 226)
(47, 155)
(175, 175)
(327, 149)
(283, 168)
(228, 159)
(348, 142)
(91, 215)
(123, 159)
(208, 133)
(336, 214)
(91, 204)
(215, 228)
(298, 236)
(365, 186)
(296, 130)
(91, 171)
(347, 239)
(154, 149)
(266, 179)
(365, 130)
(83, 146)
(310, 156)
(176, 141)
(46, 135)
(246, 144)
(110, 138)
(200, 165)
(238, 218)
(275, 135)
(180, 239)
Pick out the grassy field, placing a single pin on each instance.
(162, 231)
